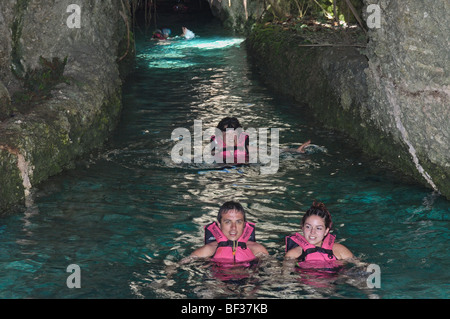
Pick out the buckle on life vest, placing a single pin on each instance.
(210, 232)
(234, 244)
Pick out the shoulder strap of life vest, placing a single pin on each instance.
(328, 252)
(214, 233)
(326, 249)
(298, 240)
(328, 241)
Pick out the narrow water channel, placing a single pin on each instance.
(128, 214)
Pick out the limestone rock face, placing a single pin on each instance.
(393, 96)
(237, 14)
(409, 83)
(46, 137)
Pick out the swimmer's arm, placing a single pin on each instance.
(293, 253)
(258, 249)
(290, 259)
(206, 251)
(202, 252)
(342, 252)
(300, 149)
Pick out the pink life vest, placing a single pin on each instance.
(321, 257)
(237, 152)
(229, 251)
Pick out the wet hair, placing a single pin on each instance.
(319, 209)
(227, 206)
(228, 122)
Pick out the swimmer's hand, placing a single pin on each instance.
(189, 259)
(302, 147)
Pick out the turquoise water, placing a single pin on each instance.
(127, 214)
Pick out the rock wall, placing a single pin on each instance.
(47, 137)
(393, 97)
(409, 83)
(237, 15)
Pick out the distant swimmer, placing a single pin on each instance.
(188, 34)
(231, 240)
(240, 148)
(300, 149)
(161, 34)
(239, 151)
(316, 248)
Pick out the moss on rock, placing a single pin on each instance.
(329, 76)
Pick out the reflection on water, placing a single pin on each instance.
(128, 214)
(181, 53)
(266, 280)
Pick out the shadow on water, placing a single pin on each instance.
(127, 215)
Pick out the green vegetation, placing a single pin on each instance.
(311, 23)
(321, 10)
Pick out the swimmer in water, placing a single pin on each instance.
(187, 34)
(241, 147)
(161, 34)
(317, 244)
(233, 240)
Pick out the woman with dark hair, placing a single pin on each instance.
(317, 244)
(239, 151)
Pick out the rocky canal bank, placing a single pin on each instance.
(388, 88)
(61, 70)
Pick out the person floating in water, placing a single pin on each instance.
(162, 34)
(240, 150)
(187, 34)
(316, 248)
(231, 239)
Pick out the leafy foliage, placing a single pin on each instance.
(317, 9)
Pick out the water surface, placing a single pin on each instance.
(127, 214)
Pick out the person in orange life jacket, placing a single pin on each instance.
(241, 141)
(316, 244)
(232, 237)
